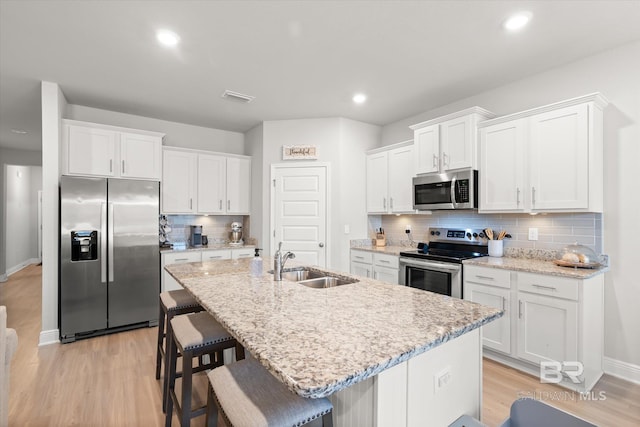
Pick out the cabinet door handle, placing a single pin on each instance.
(220, 204)
(110, 165)
(533, 195)
(504, 301)
(368, 272)
(391, 202)
(517, 196)
(190, 203)
(485, 277)
(435, 161)
(375, 274)
(444, 159)
(551, 288)
(123, 166)
(519, 309)
(228, 205)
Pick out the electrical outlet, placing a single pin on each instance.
(533, 234)
(347, 229)
(441, 379)
(407, 228)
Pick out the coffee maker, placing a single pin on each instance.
(195, 237)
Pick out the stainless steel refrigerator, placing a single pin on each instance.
(109, 257)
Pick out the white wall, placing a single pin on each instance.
(53, 109)
(341, 143)
(615, 73)
(177, 134)
(22, 184)
(11, 157)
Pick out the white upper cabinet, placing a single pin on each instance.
(238, 185)
(90, 149)
(389, 179)
(140, 156)
(212, 173)
(548, 159)
(202, 182)
(179, 181)
(449, 142)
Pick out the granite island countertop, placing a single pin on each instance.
(535, 266)
(319, 341)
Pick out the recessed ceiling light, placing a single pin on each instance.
(517, 21)
(359, 98)
(18, 131)
(167, 38)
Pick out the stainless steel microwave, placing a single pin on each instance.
(453, 190)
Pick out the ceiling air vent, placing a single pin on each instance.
(229, 94)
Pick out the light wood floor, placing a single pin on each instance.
(110, 380)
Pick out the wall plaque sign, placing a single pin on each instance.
(291, 152)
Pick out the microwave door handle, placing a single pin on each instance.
(454, 202)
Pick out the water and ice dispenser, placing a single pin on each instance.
(84, 245)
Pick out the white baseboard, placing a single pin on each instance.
(22, 265)
(49, 337)
(3, 278)
(620, 369)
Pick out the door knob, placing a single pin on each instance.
(321, 245)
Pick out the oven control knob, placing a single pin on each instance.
(482, 234)
(475, 234)
(468, 235)
(437, 233)
(433, 233)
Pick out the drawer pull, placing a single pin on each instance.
(384, 260)
(215, 257)
(551, 288)
(485, 277)
(359, 257)
(182, 259)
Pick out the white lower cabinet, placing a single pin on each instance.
(383, 267)
(215, 254)
(550, 319)
(168, 282)
(242, 253)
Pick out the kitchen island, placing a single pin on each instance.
(384, 354)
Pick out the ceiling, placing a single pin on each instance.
(300, 59)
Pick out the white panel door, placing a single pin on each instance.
(212, 178)
(140, 156)
(300, 212)
(497, 334)
(559, 159)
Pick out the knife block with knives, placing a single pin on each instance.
(381, 239)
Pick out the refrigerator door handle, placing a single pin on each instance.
(103, 243)
(110, 237)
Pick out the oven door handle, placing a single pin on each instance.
(447, 268)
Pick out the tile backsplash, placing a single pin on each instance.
(215, 227)
(555, 231)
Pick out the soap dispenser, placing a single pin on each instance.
(256, 264)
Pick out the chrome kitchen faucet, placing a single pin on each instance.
(278, 262)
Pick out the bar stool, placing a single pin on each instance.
(247, 395)
(193, 335)
(172, 303)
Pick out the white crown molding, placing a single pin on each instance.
(113, 128)
(597, 98)
(390, 147)
(484, 114)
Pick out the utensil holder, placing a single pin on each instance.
(496, 248)
(381, 240)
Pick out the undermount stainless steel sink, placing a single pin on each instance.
(314, 278)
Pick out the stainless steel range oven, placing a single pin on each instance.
(437, 266)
